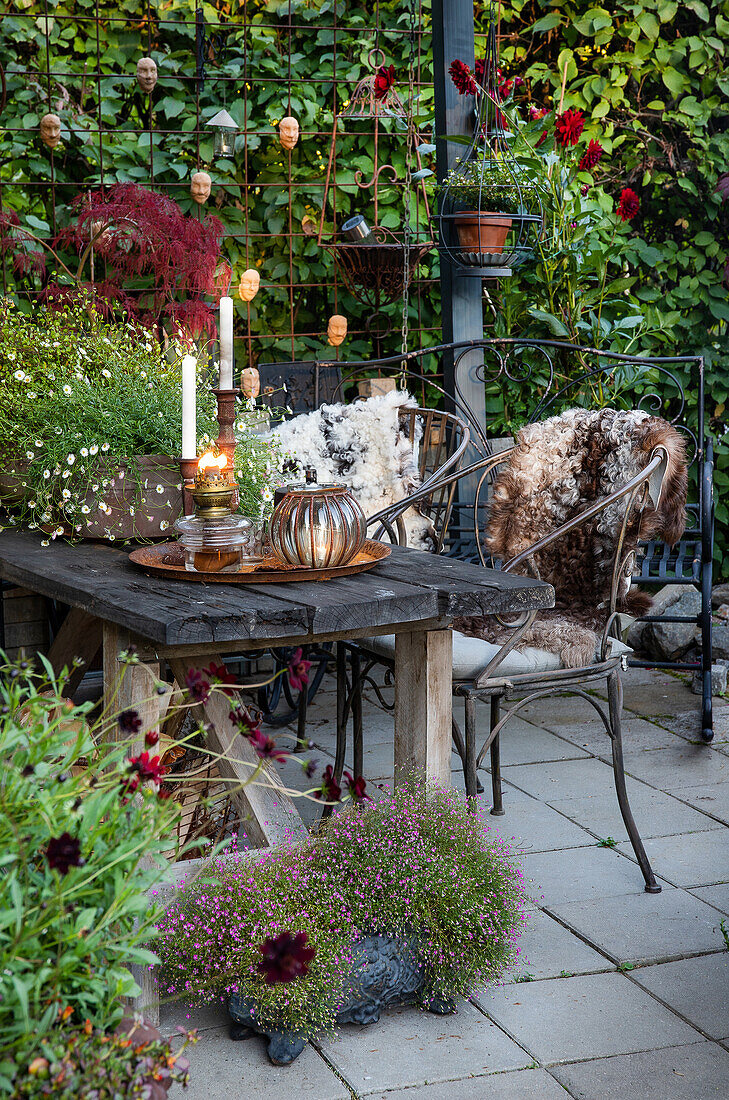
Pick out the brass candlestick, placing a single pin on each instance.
(226, 421)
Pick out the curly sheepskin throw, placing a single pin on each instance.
(362, 446)
(558, 468)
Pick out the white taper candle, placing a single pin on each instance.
(226, 343)
(189, 407)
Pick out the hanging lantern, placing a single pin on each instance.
(375, 96)
(317, 526)
(225, 130)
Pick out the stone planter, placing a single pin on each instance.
(385, 971)
(482, 231)
(145, 498)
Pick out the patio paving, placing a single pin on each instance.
(615, 992)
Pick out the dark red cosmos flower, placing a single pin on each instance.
(64, 851)
(309, 767)
(384, 80)
(266, 747)
(330, 791)
(568, 127)
(219, 674)
(537, 112)
(591, 156)
(197, 685)
(151, 738)
(147, 767)
(584, 189)
(463, 78)
(129, 722)
(356, 787)
(244, 720)
(298, 670)
(285, 957)
(629, 205)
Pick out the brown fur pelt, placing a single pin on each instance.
(559, 467)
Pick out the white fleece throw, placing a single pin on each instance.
(363, 447)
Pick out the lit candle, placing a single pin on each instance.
(189, 407)
(226, 343)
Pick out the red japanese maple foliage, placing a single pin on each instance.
(142, 236)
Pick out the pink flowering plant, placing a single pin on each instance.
(416, 864)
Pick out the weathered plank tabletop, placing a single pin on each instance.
(412, 594)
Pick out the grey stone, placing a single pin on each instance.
(522, 1084)
(548, 950)
(656, 813)
(695, 988)
(667, 641)
(530, 826)
(720, 595)
(720, 638)
(590, 1015)
(561, 779)
(681, 765)
(555, 878)
(695, 859)
(644, 928)
(223, 1070)
(408, 1047)
(696, 1072)
(709, 798)
(718, 896)
(201, 1017)
(718, 679)
(638, 734)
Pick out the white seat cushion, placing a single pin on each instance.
(472, 655)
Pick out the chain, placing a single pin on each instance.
(407, 229)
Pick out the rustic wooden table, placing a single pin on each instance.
(412, 594)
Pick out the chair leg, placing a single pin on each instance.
(707, 724)
(357, 735)
(342, 716)
(615, 704)
(301, 715)
(469, 767)
(496, 790)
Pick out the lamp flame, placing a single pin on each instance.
(209, 460)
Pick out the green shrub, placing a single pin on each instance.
(413, 864)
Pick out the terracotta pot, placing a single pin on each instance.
(135, 486)
(483, 231)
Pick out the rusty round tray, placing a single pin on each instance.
(167, 560)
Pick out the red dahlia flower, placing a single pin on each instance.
(629, 205)
(285, 957)
(384, 80)
(568, 127)
(591, 156)
(463, 78)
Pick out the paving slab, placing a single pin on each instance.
(587, 1016)
(695, 988)
(201, 1017)
(696, 1072)
(555, 878)
(223, 1070)
(638, 735)
(530, 826)
(522, 1084)
(409, 1047)
(559, 711)
(524, 743)
(656, 813)
(644, 928)
(561, 779)
(671, 697)
(718, 896)
(692, 859)
(711, 798)
(548, 950)
(685, 765)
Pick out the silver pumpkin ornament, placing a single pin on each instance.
(317, 526)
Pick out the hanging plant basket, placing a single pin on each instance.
(374, 273)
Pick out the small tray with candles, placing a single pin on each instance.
(168, 560)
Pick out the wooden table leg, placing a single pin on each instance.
(423, 704)
(79, 636)
(268, 813)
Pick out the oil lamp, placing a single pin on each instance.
(215, 540)
(317, 526)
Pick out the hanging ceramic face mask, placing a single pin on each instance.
(336, 329)
(249, 284)
(288, 132)
(146, 73)
(250, 382)
(200, 185)
(50, 130)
